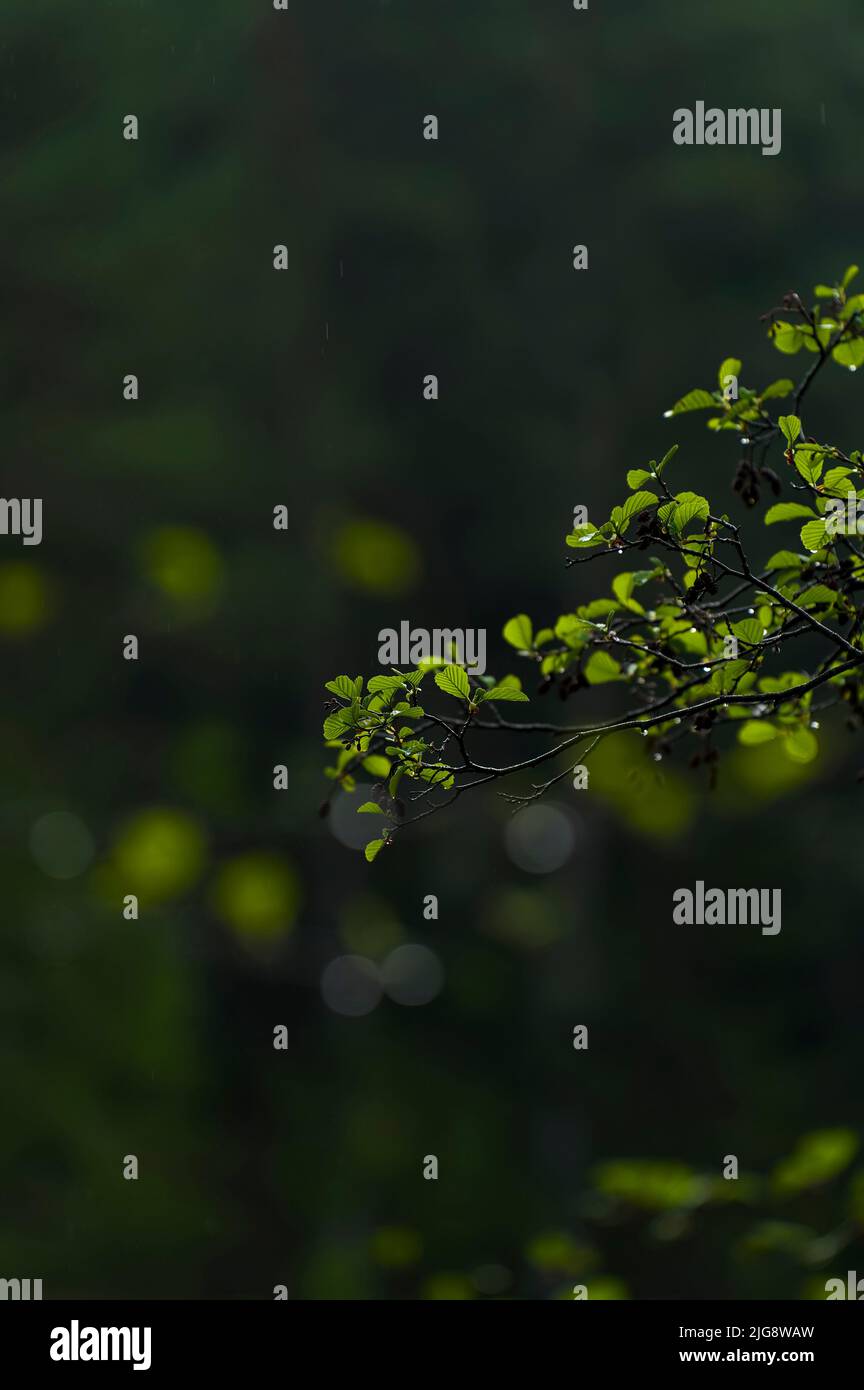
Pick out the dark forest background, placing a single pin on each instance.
(154, 1037)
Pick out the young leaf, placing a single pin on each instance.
(784, 560)
(344, 686)
(754, 731)
(370, 807)
(809, 465)
(622, 587)
(637, 476)
(582, 537)
(600, 668)
(835, 483)
(690, 507)
(786, 511)
(378, 766)
(790, 427)
(813, 534)
(850, 354)
(749, 631)
(374, 847)
(801, 746)
(336, 725)
(694, 400)
(505, 692)
(786, 337)
(385, 685)
(778, 389)
(519, 631)
(453, 681)
(636, 503)
(816, 596)
(730, 367)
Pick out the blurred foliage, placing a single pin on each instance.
(25, 598)
(375, 557)
(257, 894)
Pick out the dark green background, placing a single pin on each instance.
(304, 388)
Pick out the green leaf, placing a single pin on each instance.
(572, 630)
(622, 587)
(835, 483)
(440, 776)
(377, 766)
(637, 476)
(754, 731)
(336, 725)
(787, 511)
(370, 808)
(624, 584)
(453, 680)
(393, 785)
(731, 366)
(784, 560)
(801, 746)
(344, 686)
(817, 595)
(813, 534)
(667, 457)
(694, 400)
(637, 502)
(519, 631)
(786, 337)
(790, 427)
(849, 354)
(727, 677)
(583, 537)
(690, 507)
(505, 692)
(778, 389)
(817, 1159)
(598, 608)
(694, 643)
(849, 275)
(749, 631)
(374, 847)
(600, 668)
(809, 465)
(385, 685)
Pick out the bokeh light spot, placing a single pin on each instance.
(25, 598)
(376, 557)
(182, 561)
(412, 975)
(159, 853)
(540, 839)
(351, 985)
(257, 895)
